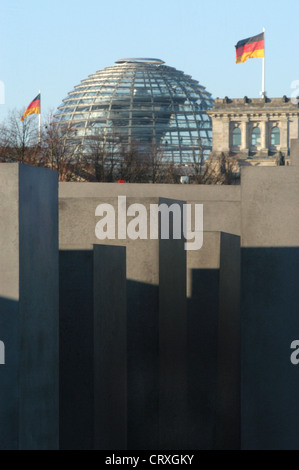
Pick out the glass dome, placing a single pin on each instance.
(144, 101)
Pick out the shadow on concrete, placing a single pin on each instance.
(76, 350)
(143, 365)
(93, 354)
(28, 393)
(143, 356)
(9, 428)
(203, 310)
(270, 323)
(77, 359)
(214, 358)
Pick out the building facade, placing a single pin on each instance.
(256, 131)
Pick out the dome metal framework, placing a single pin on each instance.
(144, 101)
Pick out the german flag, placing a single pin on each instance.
(33, 108)
(250, 48)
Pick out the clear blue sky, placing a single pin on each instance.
(53, 44)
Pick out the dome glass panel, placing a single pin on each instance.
(141, 101)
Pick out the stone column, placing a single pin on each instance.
(264, 137)
(284, 135)
(244, 141)
(226, 136)
(217, 133)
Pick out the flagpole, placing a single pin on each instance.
(264, 71)
(39, 122)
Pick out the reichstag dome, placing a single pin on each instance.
(142, 101)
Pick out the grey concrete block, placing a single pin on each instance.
(156, 337)
(93, 349)
(222, 204)
(173, 407)
(270, 299)
(228, 409)
(77, 223)
(270, 207)
(143, 364)
(110, 348)
(214, 342)
(139, 191)
(76, 350)
(77, 219)
(29, 307)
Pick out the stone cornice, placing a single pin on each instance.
(252, 115)
(238, 107)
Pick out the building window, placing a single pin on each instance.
(275, 136)
(236, 137)
(256, 137)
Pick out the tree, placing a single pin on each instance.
(220, 170)
(104, 157)
(19, 139)
(198, 165)
(100, 157)
(160, 168)
(57, 153)
(132, 166)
